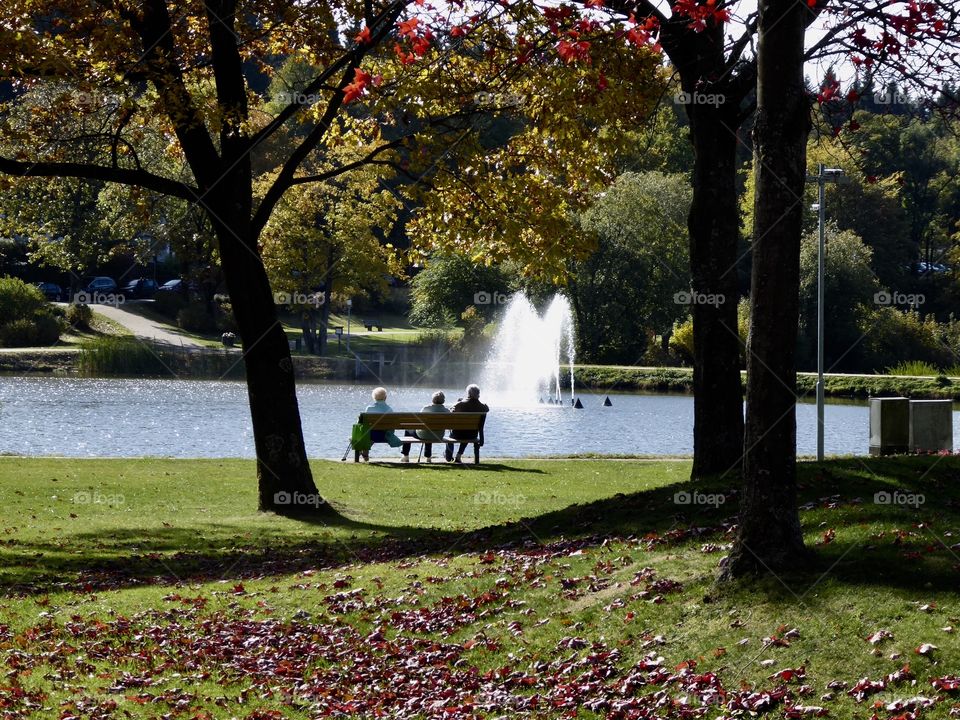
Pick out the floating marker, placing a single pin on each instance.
(578, 404)
(607, 403)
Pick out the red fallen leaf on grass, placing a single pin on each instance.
(572, 643)
(866, 687)
(910, 705)
(947, 683)
(879, 636)
(828, 537)
(926, 649)
(776, 641)
(788, 674)
(238, 589)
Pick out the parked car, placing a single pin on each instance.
(175, 285)
(101, 285)
(140, 288)
(51, 291)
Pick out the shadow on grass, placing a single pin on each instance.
(875, 544)
(443, 465)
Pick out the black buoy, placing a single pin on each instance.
(578, 405)
(607, 403)
(541, 399)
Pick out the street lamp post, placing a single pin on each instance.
(349, 307)
(823, 176)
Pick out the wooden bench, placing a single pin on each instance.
(371, 324)
(434, 422)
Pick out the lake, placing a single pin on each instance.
(80, 417)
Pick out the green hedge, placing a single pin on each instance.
(615, 379)
(26, 318)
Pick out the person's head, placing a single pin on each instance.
(380, 394)
(438, 398)
(473, 392)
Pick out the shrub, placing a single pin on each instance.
(892, 335)
(226, 323)
(195, 318)
(42, 329)
(26, 318)
(18, 333)
(916, 368)
(79, 316)
(169, 303)
(19, 300)
(113, 355)
(47, 329)
(681, 341)
(436, 340)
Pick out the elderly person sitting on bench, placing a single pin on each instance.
(471, 404)
(379, 405)
(436, 406)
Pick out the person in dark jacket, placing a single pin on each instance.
(471, 404)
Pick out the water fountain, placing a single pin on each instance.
(524, 365)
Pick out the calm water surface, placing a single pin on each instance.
(197, 418)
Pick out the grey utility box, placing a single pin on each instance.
(931, 425)
(889, 425)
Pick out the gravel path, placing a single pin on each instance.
(145, 328)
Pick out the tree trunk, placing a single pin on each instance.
(769, 538)
(714, 232)
(285, 482)
(308, 328)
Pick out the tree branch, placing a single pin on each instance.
(121, 176)
(368, 159)
(383, 24)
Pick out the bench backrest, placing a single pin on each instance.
(436, 422)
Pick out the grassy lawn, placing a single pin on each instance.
(99, 327)
(397, 331)
(563, 588)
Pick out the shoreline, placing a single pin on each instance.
(600, 379)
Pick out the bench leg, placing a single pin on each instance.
(476, 454)
(356, 456)
(420, 454)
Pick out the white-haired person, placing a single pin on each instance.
(379, 396)
(471, 404)
(436, 406)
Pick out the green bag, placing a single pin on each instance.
(360, 437)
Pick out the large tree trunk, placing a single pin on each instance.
(769, 537)
(285, 482)
(714, 232)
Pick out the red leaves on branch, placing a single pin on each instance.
(363, 37)
(361, 80)
(572, 51)
(701, 15)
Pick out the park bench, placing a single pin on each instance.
(399, 422)
(371, 324)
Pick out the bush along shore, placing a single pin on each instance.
(597, 378)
